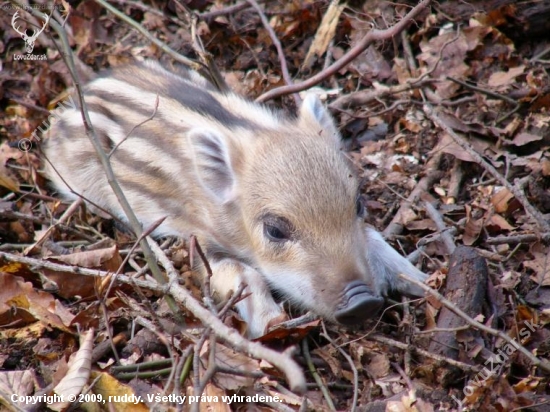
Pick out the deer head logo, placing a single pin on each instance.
(29, 40)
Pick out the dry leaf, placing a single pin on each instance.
(324, 35)
(79, 371)
(499, 79)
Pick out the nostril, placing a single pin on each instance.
(357, 304)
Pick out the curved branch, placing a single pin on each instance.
(370, 37)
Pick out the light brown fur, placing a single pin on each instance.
(227, 170)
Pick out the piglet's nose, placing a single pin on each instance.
(358, 303)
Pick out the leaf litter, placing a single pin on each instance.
(487, 74)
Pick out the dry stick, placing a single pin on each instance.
(423, 185)
(172, 53)
(277, 44)
(315, 374)
(455, 182)
(66, 215)
(484, 91)
(539, 218)
(425, 353)
(282, 361)
(11, 214)
(227, 10)
(351, 364)
(499, 240)
(372, 36)
(205, 57)
(441, 227)
(106, 165)
(110, 154)
(365, 96)
(542, 364)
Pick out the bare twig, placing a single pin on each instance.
(282, 361)
(351, 364)
(432, 173)
(541, 363)
(135, 127)
(365, 96)
(523, 238)
(44, 236)
(484, 91)
(227, 10)
(172, 53)
(372, 36)
(315, 374)
(441, 227)
(404, 346)
(277, 44)
(535, 214)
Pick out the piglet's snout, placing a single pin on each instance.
(357, 304)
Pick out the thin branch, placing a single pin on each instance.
(484, 91)
(535, 214)
(441, 227)
(282, 361)
(541, 363)
(135, 127)
(172, 53)
(522, 238)
(351, 364)
(432, 174)
(277, 44)
(315, 374)
(372, 36)
(222, 12)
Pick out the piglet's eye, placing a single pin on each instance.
(277, 229)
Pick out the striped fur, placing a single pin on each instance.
(228, 171)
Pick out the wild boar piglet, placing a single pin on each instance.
(271, 198)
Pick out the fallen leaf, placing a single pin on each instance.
(501, 78)
(325, 33)
(79, 371)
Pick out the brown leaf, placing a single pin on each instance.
(70, 285)
(499, 79)
(541, 266)
(79, 371)
(524, 138)
(20, 383)
(21, 304)
(472, 228)
(231, 359)
(325, 33)
(501, 199)
(214, 401)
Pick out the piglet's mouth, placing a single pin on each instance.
(357, 304)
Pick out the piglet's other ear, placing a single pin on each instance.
(212, 163)
(314, 113)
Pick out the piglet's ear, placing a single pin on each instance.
(313, 113)
(212, 163)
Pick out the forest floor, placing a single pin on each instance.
(444, 111)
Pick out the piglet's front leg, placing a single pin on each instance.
(258, 310)
(386, 265)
